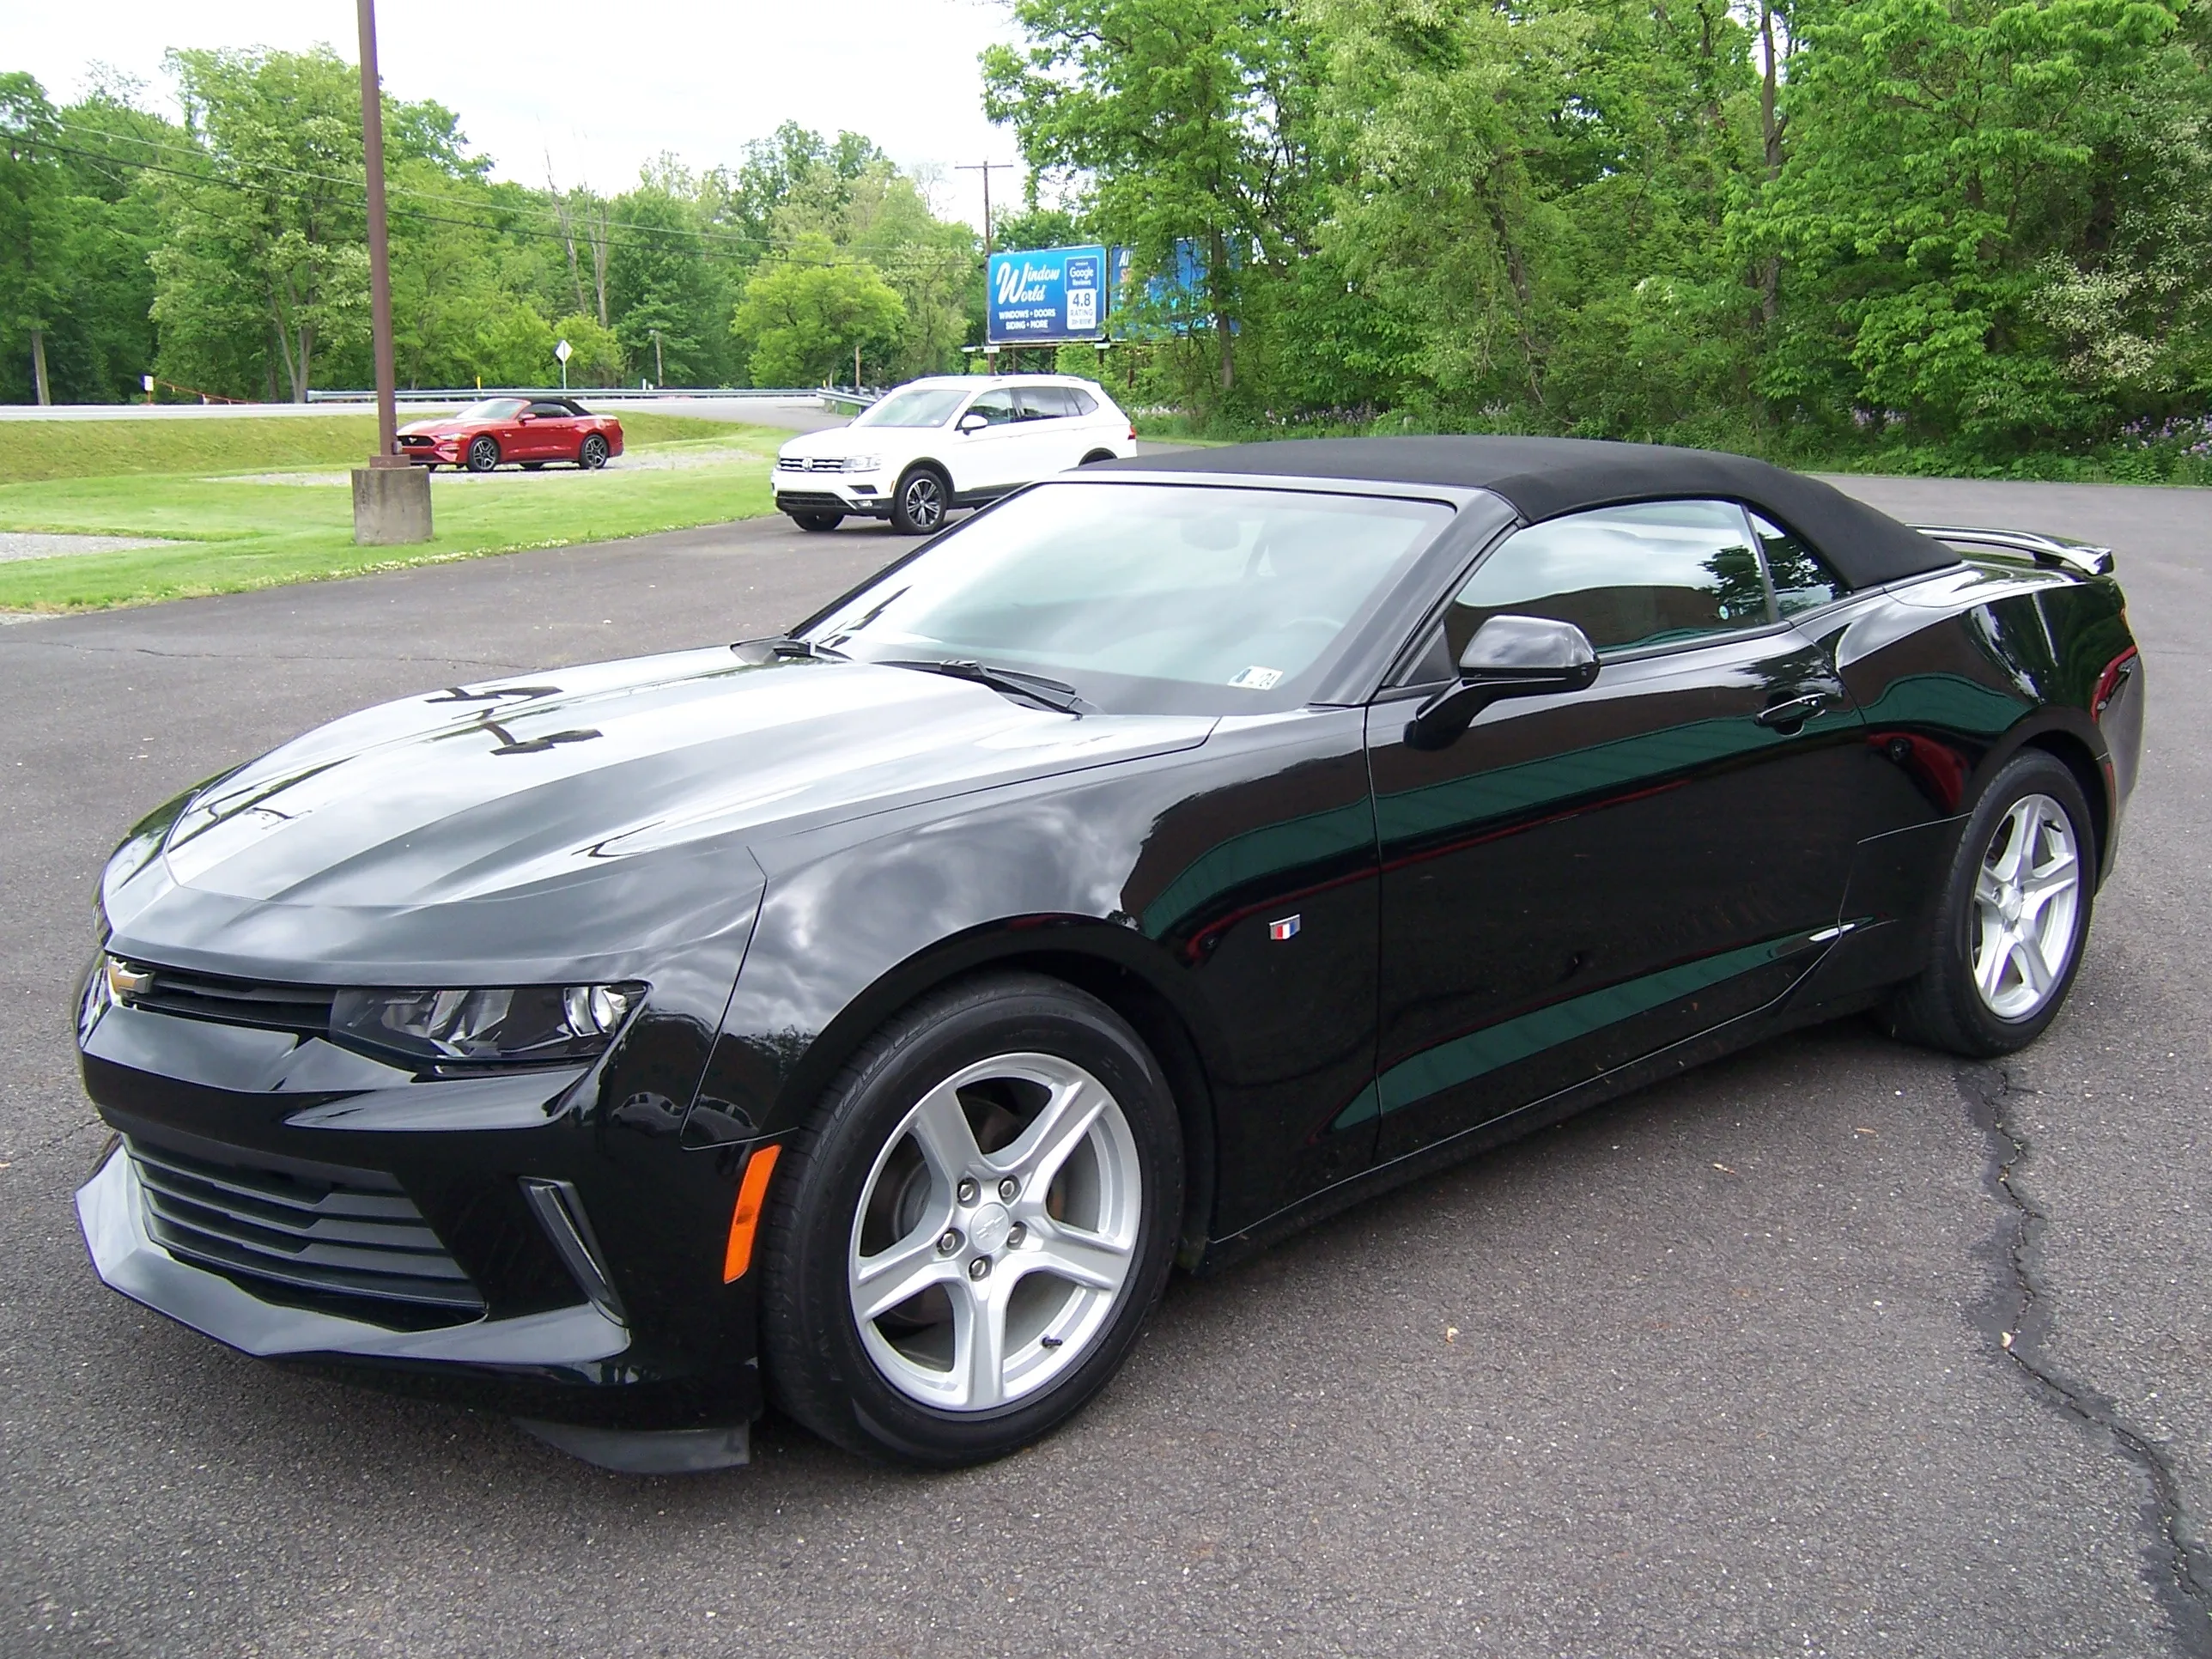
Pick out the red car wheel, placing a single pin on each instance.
(592, 453)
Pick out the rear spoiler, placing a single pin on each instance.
(2059, 552)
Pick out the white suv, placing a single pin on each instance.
(955, 441)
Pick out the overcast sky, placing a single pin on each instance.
(601, 86)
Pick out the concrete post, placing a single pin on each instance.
(390, 505)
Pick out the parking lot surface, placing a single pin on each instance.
(1838, 1347)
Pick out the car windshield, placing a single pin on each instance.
(921, 405)
(491, 409)
(1147, 598)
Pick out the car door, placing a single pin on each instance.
(1581, 879)
(989, 457)
(1052, 436)
(551, 433)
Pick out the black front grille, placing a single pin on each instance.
(347, 1240)
(304, 1009)
(810, 500)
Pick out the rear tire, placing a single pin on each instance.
(998, 1131)
(924, 496)
(1096, 456)
(2012, 919)
(592, 453)
(817, 521)
(483, 454)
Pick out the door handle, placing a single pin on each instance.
(1789, 717)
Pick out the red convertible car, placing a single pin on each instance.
(531, 431)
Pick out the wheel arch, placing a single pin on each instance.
(2074, 753)
(1104, 960)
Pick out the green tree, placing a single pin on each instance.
(1184, 116)
(1992, 220)
(265, 266)
(803, 316)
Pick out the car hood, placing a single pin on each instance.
(583, 777)
(850, 440)
(443, 429)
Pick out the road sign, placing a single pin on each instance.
(564, 351)
(1045, 295)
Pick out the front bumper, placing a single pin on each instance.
(543, 1244)
(864, 496)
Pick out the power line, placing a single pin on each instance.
(550, 209)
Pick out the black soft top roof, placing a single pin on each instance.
(1544, 477)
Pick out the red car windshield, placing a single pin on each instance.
(491, 409)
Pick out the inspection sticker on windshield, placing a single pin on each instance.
(1257, 679)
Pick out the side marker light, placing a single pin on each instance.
(745, 1220)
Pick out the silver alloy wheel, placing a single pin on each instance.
(923, 497)
(2026, 896)
(592, 454)
(978, 1277)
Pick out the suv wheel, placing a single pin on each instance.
(923, 498)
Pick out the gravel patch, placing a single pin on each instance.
(36, 544)
(680, 461)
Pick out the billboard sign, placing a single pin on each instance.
(1046, 295)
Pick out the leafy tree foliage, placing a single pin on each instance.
(804, 316)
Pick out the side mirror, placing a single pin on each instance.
(1507, 657)
(974, 421)
(525, 418)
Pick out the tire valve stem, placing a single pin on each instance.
(1049, 1342)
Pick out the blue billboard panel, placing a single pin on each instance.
(1046, 295)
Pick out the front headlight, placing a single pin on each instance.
(864, 464)
(517, 1023)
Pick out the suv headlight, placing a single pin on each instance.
(526, 1022)
(864, 464)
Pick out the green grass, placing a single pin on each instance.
(236, 535)
(31, 451)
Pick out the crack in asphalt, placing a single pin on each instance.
(2024, 1334)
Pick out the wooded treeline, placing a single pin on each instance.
(1941, 233)
(226, 253)
(1957, 232)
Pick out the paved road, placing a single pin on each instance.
(1716, 1369)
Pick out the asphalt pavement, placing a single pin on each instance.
(1837, 1347)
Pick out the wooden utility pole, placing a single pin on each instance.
(391, 498)
(986, 169)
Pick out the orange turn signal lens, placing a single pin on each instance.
(745, 1220)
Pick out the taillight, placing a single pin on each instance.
(1133, 432)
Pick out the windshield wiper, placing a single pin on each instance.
(786, 645)
(1055, 695)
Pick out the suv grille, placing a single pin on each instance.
(811, 463)
(359, 1239)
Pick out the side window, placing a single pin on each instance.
(1801, 581)
(1081, 402)
(551, 412)
(1043, 403)
(996, 407)
(1654, 573)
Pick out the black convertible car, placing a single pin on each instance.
(865, 1019)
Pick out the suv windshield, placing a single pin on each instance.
(1147, 598)
(917, 406)
(492, 408)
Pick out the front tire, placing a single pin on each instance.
(484, 453)
(924, 496)
(963, 1244)
(817, 521)
(2012, 919)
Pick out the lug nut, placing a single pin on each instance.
(1010, 1189)
(980, 1267)
(949, 1242)
(1015, 1235)
(969, 1191)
